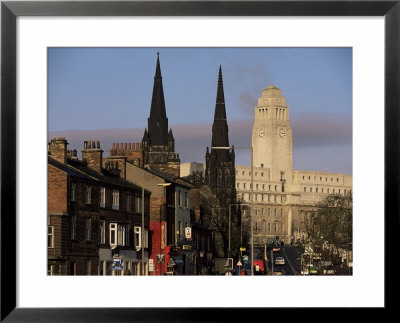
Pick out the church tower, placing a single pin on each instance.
(158, 143)
(272, 135)
(220, 163)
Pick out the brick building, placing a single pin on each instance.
(94, 215)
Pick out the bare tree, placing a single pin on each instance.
(330, 229)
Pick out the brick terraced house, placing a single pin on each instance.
(94, 216)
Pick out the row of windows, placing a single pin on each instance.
(271, 198)
(269, 212)
(320, 178)
(264, 187)
(105, 268)
(326, 190)
(118, 233)
(259, 174)
(264, 226)
(131, 204)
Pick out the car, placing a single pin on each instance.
(279, 261)
(276, 249)
(278, 272)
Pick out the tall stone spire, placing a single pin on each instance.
(158, 143)
(220, 137)
(158, 121)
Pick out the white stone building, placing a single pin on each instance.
(282, 196)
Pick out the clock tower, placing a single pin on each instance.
(272, 135)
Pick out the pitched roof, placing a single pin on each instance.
(79, 169)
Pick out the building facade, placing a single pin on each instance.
(94, 216)
(283, 197)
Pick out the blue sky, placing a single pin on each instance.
(105, 93)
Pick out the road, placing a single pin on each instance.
(292, 260)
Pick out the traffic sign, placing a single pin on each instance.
(188, 232)
(239, 263)
(117, 261)
(117, 267)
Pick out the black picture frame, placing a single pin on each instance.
(10, 10)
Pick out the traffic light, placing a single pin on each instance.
(230, 263)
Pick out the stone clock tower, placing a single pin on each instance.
(272, 135)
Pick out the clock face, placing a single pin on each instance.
(261, 133)
(282, 132)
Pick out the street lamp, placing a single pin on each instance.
(251, 200)
(165, 196)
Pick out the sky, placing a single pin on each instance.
(105, 94)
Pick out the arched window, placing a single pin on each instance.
(263, 226)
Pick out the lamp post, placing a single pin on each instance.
(251, 200)
(229, 241)
(165, 196)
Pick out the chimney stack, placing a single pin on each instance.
(58, 149)
(93, 155)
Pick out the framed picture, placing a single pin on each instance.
(232, 23)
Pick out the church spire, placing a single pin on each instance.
(158, 121)
(220, 126)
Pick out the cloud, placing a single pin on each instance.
(313, 135)
(314, 129)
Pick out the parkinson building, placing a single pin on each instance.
(283, 197)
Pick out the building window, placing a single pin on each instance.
(73, 190)
(102, 231)
(276, 187)
(305, 189)
(269, 212)
(88, 193)
(102, 196)
(263, 226)
(244, 185)
(101, 268)
(115, 199)
(282, 212)
(274, 212)
(138, 204)
(113, 234)
(73, 227)
(138, 237)
(50, 237)
(256, 186)
(269, 227)
(87, 268)
(119, 234)
(275, 227)
(310, 189)
(128, 202)
(237, 185)
(186, 200)
(179, 198)
(262, 212)
(88, 222)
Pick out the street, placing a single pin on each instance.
(292, 260)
